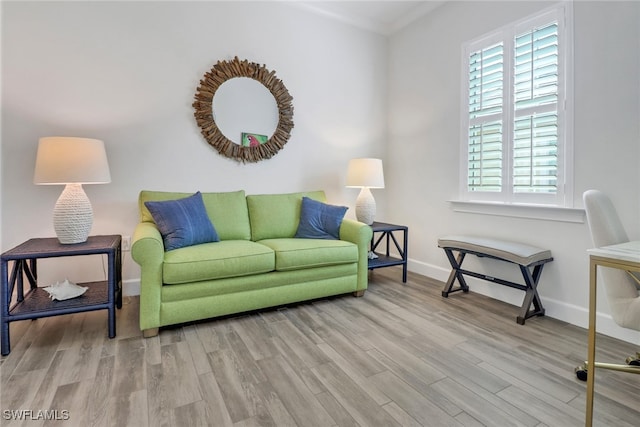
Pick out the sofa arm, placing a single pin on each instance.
(360, 234)
(147, 250)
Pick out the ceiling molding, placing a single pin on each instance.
(420, 11)
(381, 17)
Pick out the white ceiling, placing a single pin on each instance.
(384, 17)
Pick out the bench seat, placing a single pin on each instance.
(527, 257)
(517, 253)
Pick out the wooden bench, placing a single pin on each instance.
(525, 256)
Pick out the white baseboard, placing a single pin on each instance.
(130, 287)
(560, 310)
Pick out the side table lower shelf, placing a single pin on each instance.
(37, 302)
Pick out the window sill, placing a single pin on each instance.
(542, 212)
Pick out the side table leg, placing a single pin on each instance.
(113, 283)
(112, 322)
(5, 345)
(119, 277)
(405, 247)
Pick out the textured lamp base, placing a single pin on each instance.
(72, 215)
(365, 206)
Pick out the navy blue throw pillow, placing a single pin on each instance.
(319, 220)
(183, 222)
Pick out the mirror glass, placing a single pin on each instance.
(244, 105)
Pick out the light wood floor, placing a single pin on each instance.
(401, 355)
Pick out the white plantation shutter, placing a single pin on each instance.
(535, 133)
(485, 157)
(486, 82)
(514, 119)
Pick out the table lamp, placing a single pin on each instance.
(71, 162)
(365, 174)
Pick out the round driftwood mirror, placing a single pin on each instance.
(258, 147)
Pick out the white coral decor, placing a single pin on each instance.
(65, 290)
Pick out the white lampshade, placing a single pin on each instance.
(65, 160)
(71, 162)
(365, 174)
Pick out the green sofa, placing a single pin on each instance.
(256, 264)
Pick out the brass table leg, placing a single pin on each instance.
(591, 351)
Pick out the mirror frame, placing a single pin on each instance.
(203, 105)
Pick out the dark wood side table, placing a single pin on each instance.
(386, 232)
(36, 303)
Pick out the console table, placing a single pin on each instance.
(385, 232)
(623, 256)
(36, 302)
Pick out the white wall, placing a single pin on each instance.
(127, 72)
(422, 156)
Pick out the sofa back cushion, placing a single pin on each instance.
(275, 216)
(227, 211)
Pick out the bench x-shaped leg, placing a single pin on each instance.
(455, 274)
(531, 279)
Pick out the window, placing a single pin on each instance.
(515, 115)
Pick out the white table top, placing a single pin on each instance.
(629, 251)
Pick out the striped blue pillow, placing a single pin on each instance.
(319, 220)
(183, 222)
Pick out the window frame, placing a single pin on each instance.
(562, 14)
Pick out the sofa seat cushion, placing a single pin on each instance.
(294, 253)
(207, 261)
